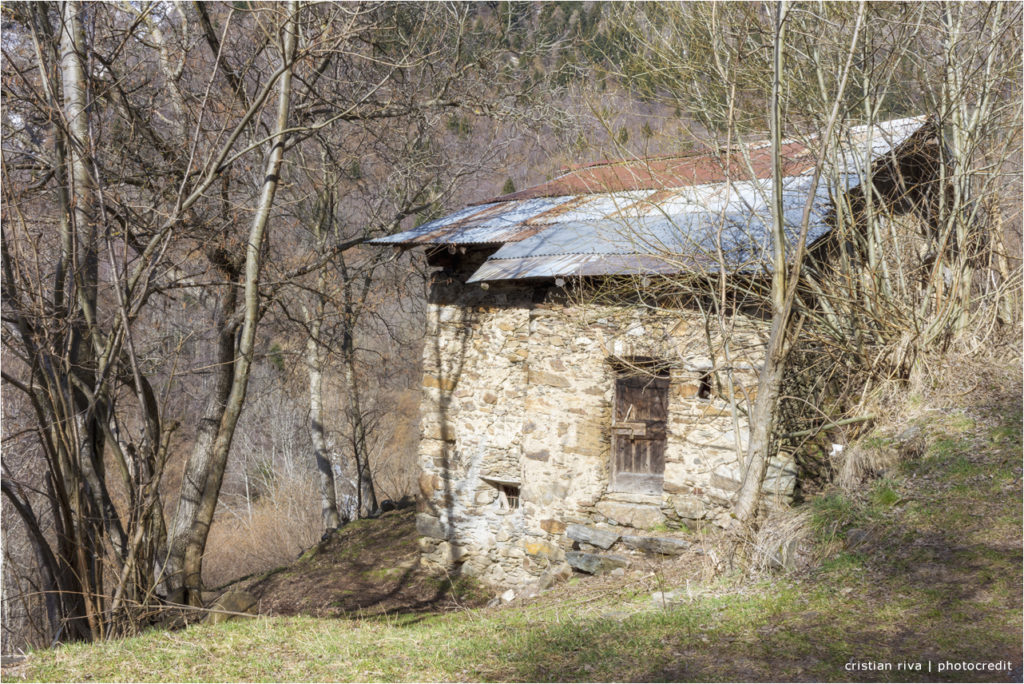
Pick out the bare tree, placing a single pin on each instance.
(153, 133)
(74, 307)
(900, 276)
(786, 273)
(446, 110)
(205, 471)
(72, 346)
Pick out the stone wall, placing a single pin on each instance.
(517, 391)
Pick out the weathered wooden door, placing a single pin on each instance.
(639, 433)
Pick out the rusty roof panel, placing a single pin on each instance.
(676, 172)
(654, 174)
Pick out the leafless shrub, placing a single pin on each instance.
(922, 261)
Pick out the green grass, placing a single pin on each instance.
(876, 442)
(938, 580)
(883, 495)
(780, 629)
(537, 643)
(1005, 433)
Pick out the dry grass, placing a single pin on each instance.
(939, 385)
(784, 540)
(970, 376)
(277, 527)
(858, 463)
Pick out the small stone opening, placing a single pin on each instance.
(704, 390)
(508, 495)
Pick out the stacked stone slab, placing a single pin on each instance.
(520, 392)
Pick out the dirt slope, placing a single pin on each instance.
(368, 567)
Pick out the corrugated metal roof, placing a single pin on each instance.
(657, 216)
(490, 223)
(735, 233)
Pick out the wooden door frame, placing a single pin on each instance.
(629, 481)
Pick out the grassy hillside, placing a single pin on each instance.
(921, 567)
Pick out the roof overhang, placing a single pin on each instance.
(660, 216)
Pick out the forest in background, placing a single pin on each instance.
(203, 368)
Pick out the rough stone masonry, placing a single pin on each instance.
(516, 426)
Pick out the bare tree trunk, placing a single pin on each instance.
(314, 366)
(315, 357)
(88, 437)
(770, 381)
(199, 462)
(366, 493)
(195, 518)
(253, 262)
(784, 282)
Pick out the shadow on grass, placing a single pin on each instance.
(945, 607)
(932, 594)
(370, 568)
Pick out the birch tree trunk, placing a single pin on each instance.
(81, 236)
(316, 353)
(314, 368)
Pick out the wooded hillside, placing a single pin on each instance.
(204, 365)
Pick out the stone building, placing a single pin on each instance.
(555, 425)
